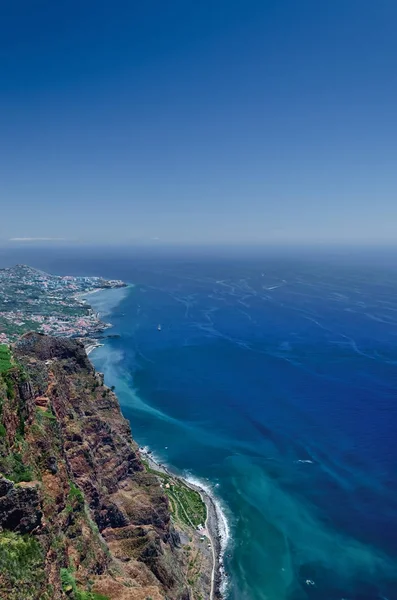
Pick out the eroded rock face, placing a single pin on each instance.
(19, 507)
(43, 348)
(94, 497)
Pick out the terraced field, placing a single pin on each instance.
(187, 505)
(5, 358)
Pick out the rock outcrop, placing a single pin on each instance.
(72, 482)
(19, 507)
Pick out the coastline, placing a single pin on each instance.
(91, 347)
(80, 296)
(216, 528)
(212, 529)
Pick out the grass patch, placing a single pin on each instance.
(68, 581)
(75, 500)
(5, 358)
(186, 504)
(69, 586)
(13, 467)
(191, 509)
(48, 415)
(9, 383)
(75, 494)
(21, 567)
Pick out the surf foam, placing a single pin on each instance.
(222, 523)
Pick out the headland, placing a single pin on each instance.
(126, 505)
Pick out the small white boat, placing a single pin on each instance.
(159, 327)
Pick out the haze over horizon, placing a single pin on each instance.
(256, 122)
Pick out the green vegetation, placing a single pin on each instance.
(68, 581)
(75, 501)
(14, 468)
(75, 494)
(9, 384)
(69, 586)
(186, 504)
(5, 358)
(48, 414)
(21, 568)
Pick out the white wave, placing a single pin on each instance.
(301, 460)
(147, 451)
(222, 522)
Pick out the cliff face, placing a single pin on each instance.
(80, 517)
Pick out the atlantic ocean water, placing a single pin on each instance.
(272, 380)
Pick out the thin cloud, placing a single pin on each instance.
(38, 239)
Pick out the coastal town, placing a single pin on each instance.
(31, 300)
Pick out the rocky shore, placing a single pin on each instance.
(212, 529)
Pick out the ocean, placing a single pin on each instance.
(272, 381)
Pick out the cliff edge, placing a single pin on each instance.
(80, 515)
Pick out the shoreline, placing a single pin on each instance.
(212, 528)
(101, 326)
(90, 347)
(80, 295)
(216, 528)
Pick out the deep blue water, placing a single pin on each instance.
(274, 379)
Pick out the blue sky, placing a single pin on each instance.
(200, 122)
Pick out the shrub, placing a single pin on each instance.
(75, 494)
(75, 498)
(16, 470)
(21, 567)
(5, 358)
(68, 581)
(69, 586)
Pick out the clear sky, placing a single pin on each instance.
(199, 120)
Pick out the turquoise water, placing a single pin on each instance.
(276, 388)
(273, 381)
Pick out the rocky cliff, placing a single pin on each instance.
(80, 516)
